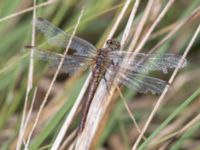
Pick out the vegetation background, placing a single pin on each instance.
(175, 125)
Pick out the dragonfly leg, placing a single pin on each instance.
(113, 63)
(106, 82)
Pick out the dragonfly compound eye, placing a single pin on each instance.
(109, 42)
(112, 43)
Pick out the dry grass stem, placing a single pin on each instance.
(30, 75)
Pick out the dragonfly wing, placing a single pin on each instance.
(144, 63)
(142, 83)
(139, 82)
(59, 38)
(70, 64)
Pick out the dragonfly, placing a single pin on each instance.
(105, 60)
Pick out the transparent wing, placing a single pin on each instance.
(59, 38)
(142, 83)
(71, 63)
(138, 82)
(147, 62)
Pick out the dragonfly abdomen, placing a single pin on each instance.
(98, 73)
(90, 94)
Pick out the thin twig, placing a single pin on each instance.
(30, 75)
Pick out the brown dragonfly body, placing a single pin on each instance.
(98, 72)
(86, 55)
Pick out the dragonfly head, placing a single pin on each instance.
(113, 44)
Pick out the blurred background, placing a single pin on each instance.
(97, 21)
